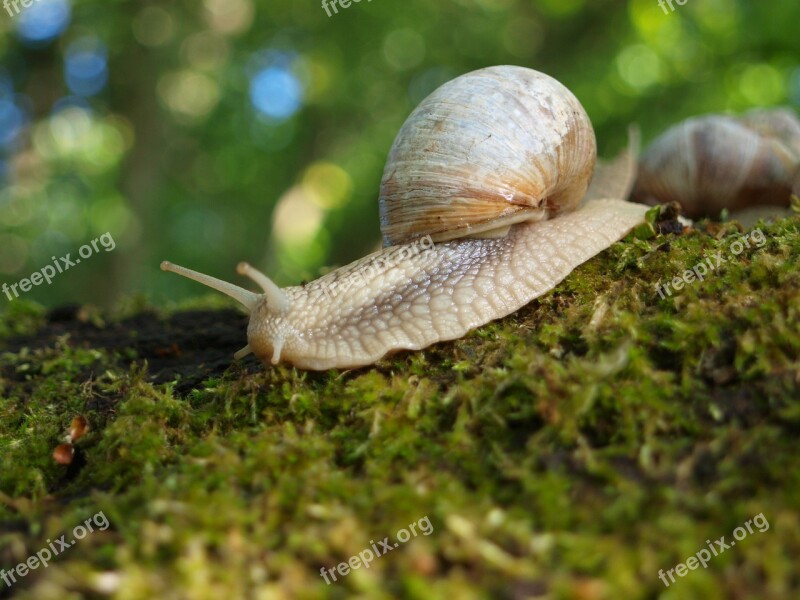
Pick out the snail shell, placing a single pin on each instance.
(714, 162)
(489, 149)
(494, 166)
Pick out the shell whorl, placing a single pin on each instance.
(714, 162)
(488, 149)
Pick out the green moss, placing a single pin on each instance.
(571, 450)
(21, 317)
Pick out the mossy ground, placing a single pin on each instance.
(571, 450)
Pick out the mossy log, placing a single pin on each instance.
(574, 449)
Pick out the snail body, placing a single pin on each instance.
(493, 168)
(717, 161)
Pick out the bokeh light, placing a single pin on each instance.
(153, 26)
(276, 92)
(86, 66)
(189, 94)
(762, 84)
(229, 16)
(297, 217)
(205, 50)
(327, 185)
(43, 21)
(12, 121)
(639, 66)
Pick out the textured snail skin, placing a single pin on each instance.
(506, 153)
(439, 294)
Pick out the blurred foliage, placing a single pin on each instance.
(208, 132)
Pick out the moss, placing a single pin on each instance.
(571, 450)
(20, 318)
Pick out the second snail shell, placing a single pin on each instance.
(720, 162)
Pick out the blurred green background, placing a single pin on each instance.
(212, 131)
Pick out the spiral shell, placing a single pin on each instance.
(714, 162)
(491, 148)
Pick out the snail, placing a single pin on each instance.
(716, 161)
(492, 169)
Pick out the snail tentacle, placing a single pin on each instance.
(245, 297)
